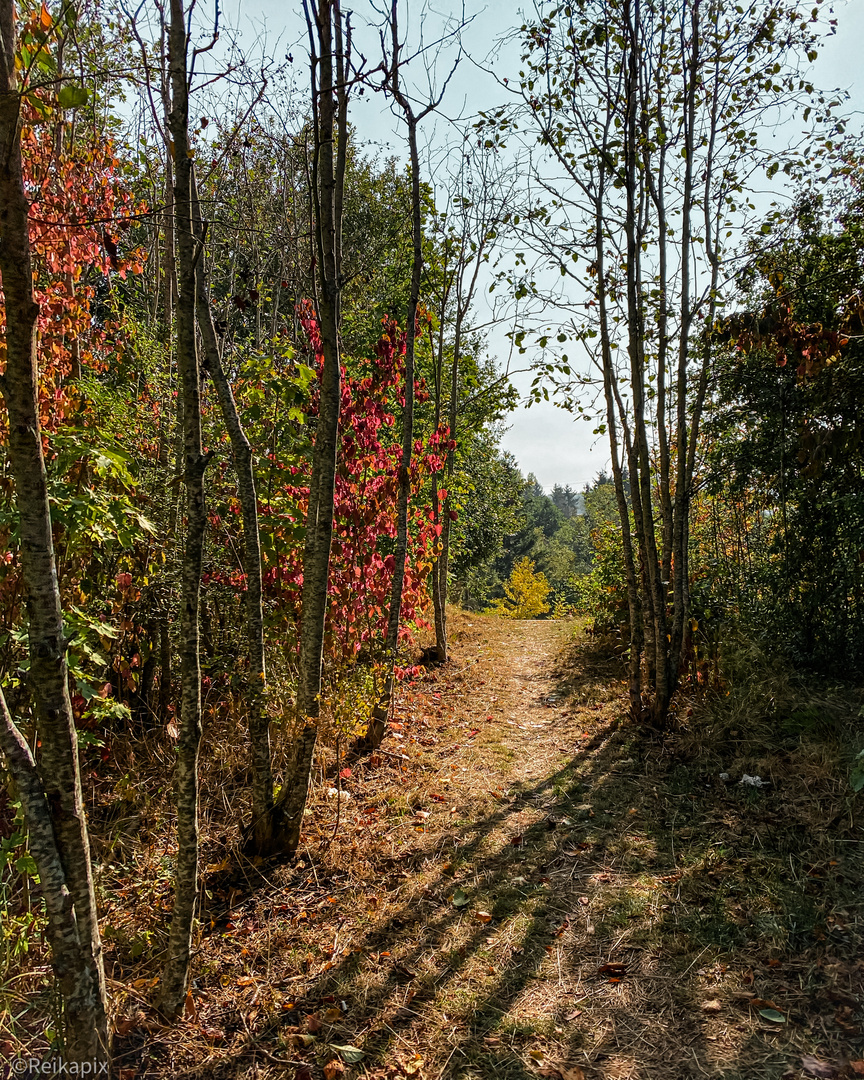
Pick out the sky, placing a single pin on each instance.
(545, 440)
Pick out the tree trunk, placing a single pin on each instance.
(175, 979)
(378, 721)
(261, 828)
(64, 857)
(443, 562)
(330, 110)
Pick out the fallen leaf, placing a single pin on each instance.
(762, 1003)
(713, 1006)
(313, 1023)
(773, 1015)
(189, 1010)
(584, 901)
(814, 1067)
(857, 1067)
(245, 980)
(349, 1053)
(413, 1066)
(302, 1041)
(121, 1027)
(573, 1015)
(459, 898)
(333, 1069)
(332, 1015)
(482, 916)
(612, 969)
(537, 1055)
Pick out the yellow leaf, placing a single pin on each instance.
(413, 1066)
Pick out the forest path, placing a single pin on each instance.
(520, 884)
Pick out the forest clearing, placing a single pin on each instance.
(335, 740)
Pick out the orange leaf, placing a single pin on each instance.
(45, 18)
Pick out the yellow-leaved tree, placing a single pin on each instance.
(525, 593)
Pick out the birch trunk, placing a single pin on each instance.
(175, 978)
(56, 805)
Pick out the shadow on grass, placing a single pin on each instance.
(640, 859)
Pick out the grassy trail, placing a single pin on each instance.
(522, 885)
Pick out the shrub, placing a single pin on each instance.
(526, 593)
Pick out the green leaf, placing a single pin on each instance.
(27, 865)
(772, 1015)
(459, 898)
(349, 1053)
(71, 96)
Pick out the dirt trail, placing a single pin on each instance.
(519, 886)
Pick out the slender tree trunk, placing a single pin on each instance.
(165, 673)
(175, 979)
(439, 600)
(634, 604)
(54, 809)
(261, 829)
(378, 721)
(681, 510)
(330, 109)
(446, 519)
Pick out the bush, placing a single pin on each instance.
(525, 592)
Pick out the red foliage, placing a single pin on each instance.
(78, 207)
(361, 565)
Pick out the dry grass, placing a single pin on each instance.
(514, 840)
